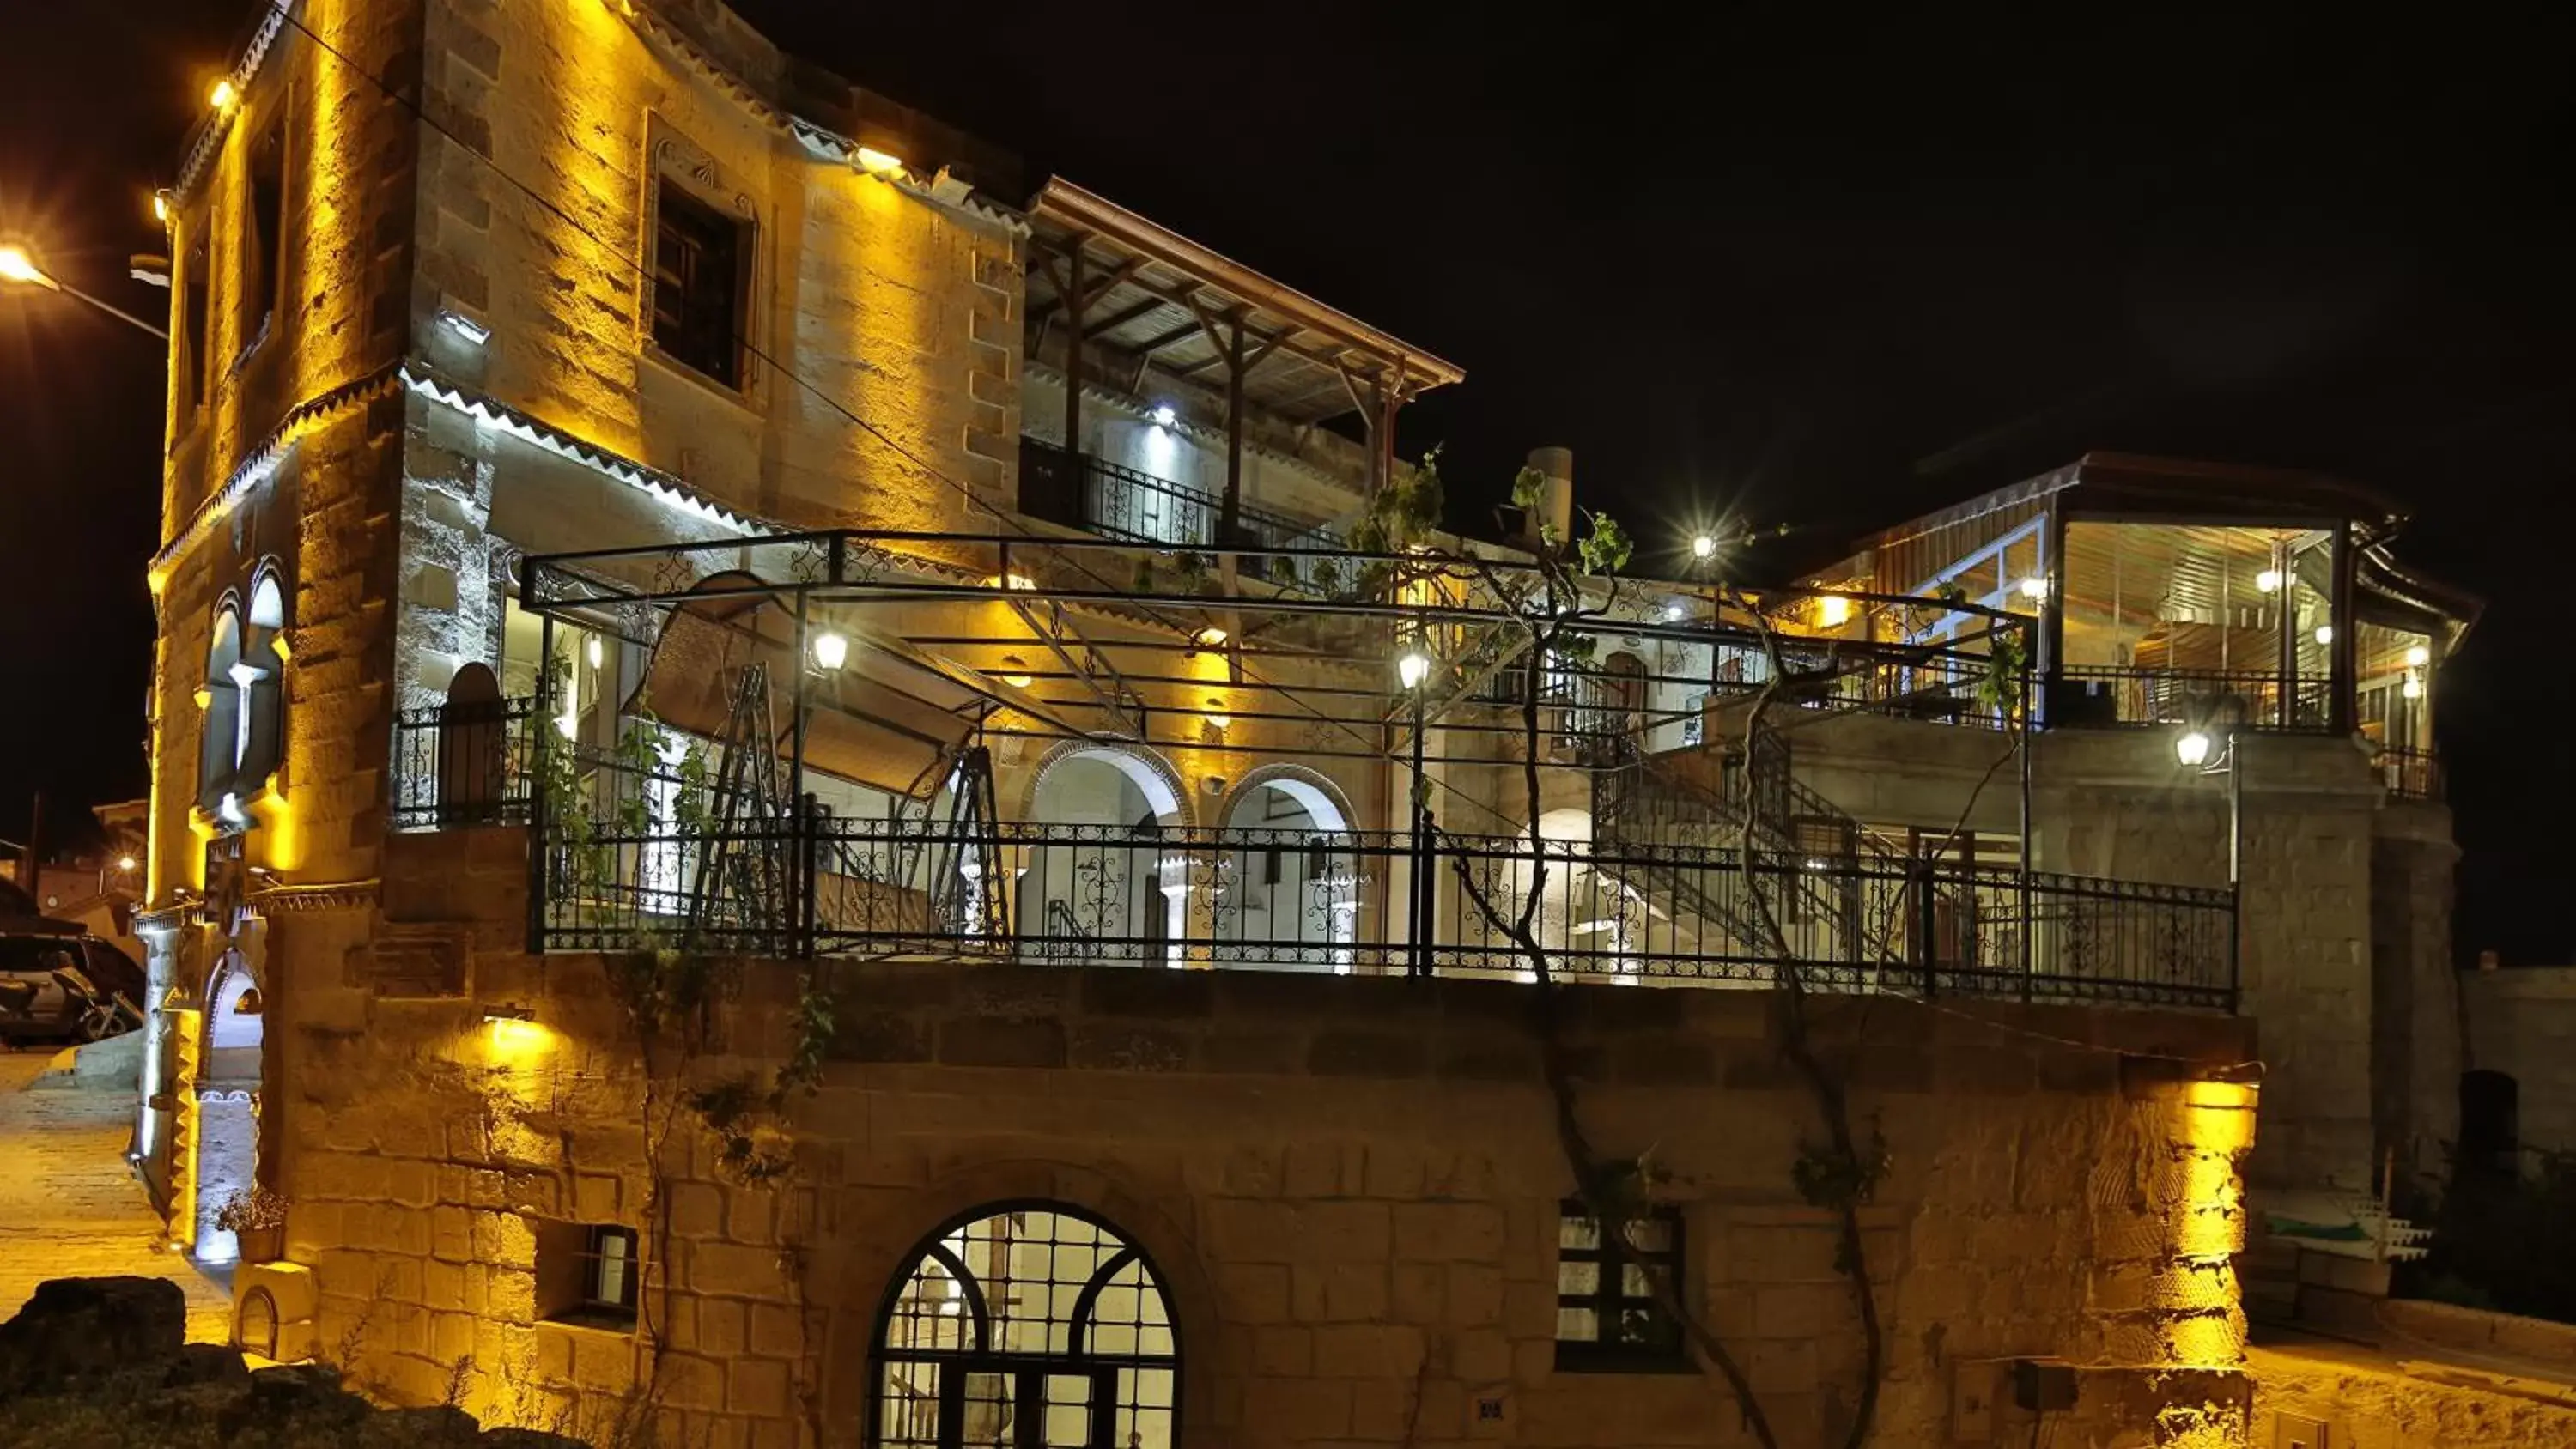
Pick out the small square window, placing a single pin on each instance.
(588, 1273)
(1607, 1320)
(700, 267)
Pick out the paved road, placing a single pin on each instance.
(68, 1206)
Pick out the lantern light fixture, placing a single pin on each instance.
(2325, 634)
(2192, 748)
(222, 95)
(2418, 656)
(1704, 547)
(1413, 668)
(2035, 587)
(831, 650)
(2268, 581)
(1833, 610)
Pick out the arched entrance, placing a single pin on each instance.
(1287, 893)
(227, 1087)
(1101, 882)
(1033, 1326)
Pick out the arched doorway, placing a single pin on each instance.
(1033, 1326)
(1101, 884)
(2490, 1123)
(1287, 892)
(227, 1087)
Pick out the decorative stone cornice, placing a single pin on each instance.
(262, 461)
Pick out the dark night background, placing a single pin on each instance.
(1800, 263)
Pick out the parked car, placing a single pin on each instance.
(66, 985)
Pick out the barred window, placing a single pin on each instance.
(1607, 1319)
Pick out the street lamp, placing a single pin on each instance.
(1413, 669)
(1703, 547)
(2191, 748)
(20, 269)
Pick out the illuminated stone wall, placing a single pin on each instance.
(1351, 1184)
(2523, 1023)
(2115, 804)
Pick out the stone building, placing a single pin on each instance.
(808, 793)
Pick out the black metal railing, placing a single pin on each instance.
(2256, 699)
(464, 764)
(1118, 502)
(1298, 900)
(2409, 774)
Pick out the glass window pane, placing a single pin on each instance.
(1577, 1325)
(1578, 1232)
(1650, 1234)
(1578, 1280)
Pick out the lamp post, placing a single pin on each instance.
(18, 267)
(1413, 670)
(2191, 748)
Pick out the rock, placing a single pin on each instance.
(419, 1428)
(526, 1439)
(82, 1326)
(208, 1363)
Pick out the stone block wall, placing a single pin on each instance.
(2523, 1023)
(1350, 1186)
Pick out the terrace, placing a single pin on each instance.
(1075, 751)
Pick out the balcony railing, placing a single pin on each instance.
(2109, 695)
(1377, 903)
(2409, 774)
(457, 765)
(1118, 502)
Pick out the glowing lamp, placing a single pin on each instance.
(222, 96)
(17, 266)
(1016, 681)
(1703, 547)
(1210, 637)
(1675, 613)
(1413, 668)
(1163, 415)
(1021, 583)
(2418, 657)
(161, 207)
(2325, 633)
(2269, 581)
(1833, 610)
(1214, 717)
(2192, 747)
(125, 862)
(880, 164)
(2034, 587)
(595, 652)
(831, 650)
(2413, 688)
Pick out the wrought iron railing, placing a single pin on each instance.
(2409, 774)
(2111, 695)
(464, 764)
(1347, 902)
(1119, 502)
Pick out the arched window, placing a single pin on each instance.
(263, 680)
(1033, 1326)
(218, 747)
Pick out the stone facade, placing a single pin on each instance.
(1350, 1185)
(2523, 1023)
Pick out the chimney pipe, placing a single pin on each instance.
(1556, 499)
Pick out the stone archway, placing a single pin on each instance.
(227, 1090)
(1105, 875)
(1287, 874)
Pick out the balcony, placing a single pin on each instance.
(1117, 502)
(636, 853)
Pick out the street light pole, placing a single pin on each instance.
(17, 266)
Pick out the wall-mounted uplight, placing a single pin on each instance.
(1164, 415)
(1017, 583)
(2035, 587)
(1021, 680)
(2191, 747)
(2325, 634)
(883, 165)
(514, 1027)
(222, 95)
(161, 206)
(1216, 715)
(1833, 610)
(1210, 637)
(1413, 668)
(595, 652)
(831, 651)
(2418, 656)
(2269, 581)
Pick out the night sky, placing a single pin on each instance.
(1795, 263)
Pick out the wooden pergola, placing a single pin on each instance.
(1133, 299)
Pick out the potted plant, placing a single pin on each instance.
(256, 1217)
